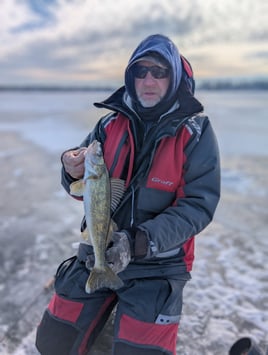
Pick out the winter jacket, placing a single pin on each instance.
(172, 177)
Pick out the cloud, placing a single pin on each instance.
(92, 39)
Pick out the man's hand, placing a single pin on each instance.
(118, 255)
(73, 162)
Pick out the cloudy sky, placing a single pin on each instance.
(89, 41)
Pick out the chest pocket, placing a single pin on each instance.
(165, 179)
(166, 172)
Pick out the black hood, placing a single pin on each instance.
(179, 96)
(165, 48)
(181, 77)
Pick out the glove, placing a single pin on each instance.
(90, 261)
(122, 248)
(118, 255)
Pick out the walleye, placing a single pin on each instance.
(95, 189)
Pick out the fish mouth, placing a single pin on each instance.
(94, 154)
(97, 148)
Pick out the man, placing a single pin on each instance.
(159, 143)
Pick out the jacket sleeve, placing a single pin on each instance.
(193, 210)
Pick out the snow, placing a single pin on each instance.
(227, 297)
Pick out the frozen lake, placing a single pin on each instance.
(238, 117)
(227, 296)
(57, 121)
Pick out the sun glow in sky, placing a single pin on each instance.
(78, 42)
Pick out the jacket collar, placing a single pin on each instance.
(184, 107)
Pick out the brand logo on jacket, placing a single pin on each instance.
(162, 182)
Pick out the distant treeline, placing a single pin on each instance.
(229, 85)
(202, 84)
(53, 88)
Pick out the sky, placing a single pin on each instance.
(80, 42)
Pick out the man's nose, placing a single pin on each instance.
(149, 78)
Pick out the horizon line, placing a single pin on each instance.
(204, 84)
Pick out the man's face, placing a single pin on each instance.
(150, 90)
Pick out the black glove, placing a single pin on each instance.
(118, 254)
(124, 246)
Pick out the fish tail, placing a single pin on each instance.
(100, 278)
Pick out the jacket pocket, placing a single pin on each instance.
(55, 336)
(171, 310)
(152, 201)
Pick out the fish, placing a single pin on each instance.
(95, 187)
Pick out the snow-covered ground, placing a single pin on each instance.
(227, 297)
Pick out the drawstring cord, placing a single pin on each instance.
(132, 206)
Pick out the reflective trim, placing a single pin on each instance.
(168, 254)
(164, 319)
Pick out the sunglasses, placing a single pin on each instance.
(140, 71)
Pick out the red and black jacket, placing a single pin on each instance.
(172, 177)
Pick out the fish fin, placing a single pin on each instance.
(100, 278)
(118, 189)
(112, 228)
(77, 188)
(85, 235)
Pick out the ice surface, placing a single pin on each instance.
(227, 297)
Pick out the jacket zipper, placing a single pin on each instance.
(132, 186)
